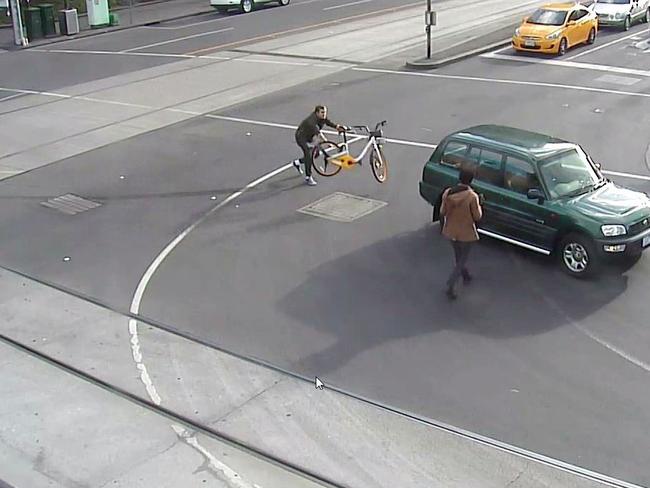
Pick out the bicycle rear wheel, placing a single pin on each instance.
(322, 164)
(379, 165)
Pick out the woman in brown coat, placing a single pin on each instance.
(461, 209)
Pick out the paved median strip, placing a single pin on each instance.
(279, 125)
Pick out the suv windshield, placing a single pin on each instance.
(547, 17)
(569, 173)
(617, 2)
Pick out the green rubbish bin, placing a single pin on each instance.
(47, 19)
(33, 23)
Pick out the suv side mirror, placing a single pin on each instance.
(535, 194)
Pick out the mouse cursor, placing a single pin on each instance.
(319, 384)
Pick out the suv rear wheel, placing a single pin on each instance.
(577, 256)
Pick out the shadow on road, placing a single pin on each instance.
(394, 289)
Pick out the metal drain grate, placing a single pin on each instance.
(342, 207)
(70, 204)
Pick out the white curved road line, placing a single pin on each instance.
(224, 472)
(231, 476)
(616, 350)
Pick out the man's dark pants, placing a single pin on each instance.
(306, 158)
(461, 253)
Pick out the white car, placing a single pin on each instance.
(621, 13)
(244, 6)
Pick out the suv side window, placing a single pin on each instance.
(520, 175)
(455, 154)
(488, 165)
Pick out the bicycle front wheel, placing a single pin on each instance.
(379, 165)
(321, 163)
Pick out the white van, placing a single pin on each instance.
(621, 13)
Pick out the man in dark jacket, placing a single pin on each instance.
(461, 209)
(307, 130)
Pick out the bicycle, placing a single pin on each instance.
(337, 156)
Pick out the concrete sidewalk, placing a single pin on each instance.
(64, 431)
(61, 431)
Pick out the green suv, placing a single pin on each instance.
(543, 194)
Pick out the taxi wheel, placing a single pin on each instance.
(592, 36)
(626, 23)
(561, 50)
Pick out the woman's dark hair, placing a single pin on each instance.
(466, 176)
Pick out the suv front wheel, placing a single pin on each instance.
(577, 255)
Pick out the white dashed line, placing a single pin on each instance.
(347, 5)
(186, 26)
(598, 48)
(608, 345)
(504, 81)
(626, 175)
(15, 95)
(178, 39)
(114, 53)
(568, 64)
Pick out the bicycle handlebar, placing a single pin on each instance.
(364, 127)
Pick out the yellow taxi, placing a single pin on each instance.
(555, 27)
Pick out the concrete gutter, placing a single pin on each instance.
(436, 62)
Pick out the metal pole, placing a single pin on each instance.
(17, 21)
(428, 32)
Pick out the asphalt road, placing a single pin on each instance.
(54, 66)
(527, 355)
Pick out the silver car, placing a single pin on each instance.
(621, 13)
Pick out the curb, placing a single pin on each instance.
(426, 64)
(106, 30)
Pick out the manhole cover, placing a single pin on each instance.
(70, 204)
(342, 207)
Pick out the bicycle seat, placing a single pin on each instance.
(345, 161)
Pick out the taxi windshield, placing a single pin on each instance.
(569, 173)
(547, 17)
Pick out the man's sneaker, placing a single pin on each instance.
(310, 181)
(451, 293)
(296, 164)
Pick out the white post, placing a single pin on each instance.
(19, 34)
